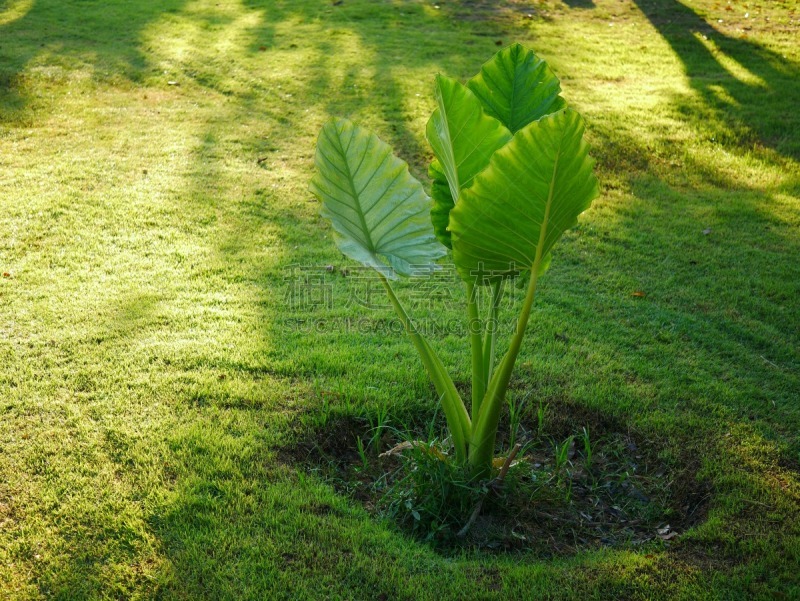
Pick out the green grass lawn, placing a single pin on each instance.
(154, 164)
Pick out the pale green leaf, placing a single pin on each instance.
(379, 212)
(517, 87)
(531, 192)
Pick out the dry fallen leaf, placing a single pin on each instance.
(410, 444)
(639, 294)
(666, 533)
(398, 448)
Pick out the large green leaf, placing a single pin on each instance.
(463, 138)
(517, 87)
(533, 190)
(379, 212)
(442, 203)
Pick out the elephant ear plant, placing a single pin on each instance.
(511, 174)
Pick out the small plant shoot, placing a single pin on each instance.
(511, 174)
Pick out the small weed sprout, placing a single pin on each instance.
(362, 452)
(540, 415)
(562, 454)
(587, 449)
(326, 409)
(515, 411)
(378, 425)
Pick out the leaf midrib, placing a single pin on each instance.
(351, 181)
(546, 217)
(448, 147)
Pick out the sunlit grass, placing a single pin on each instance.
(154, 161)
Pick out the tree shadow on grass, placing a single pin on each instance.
(243, 526)
(698, 281)
(683, 325)
(378, 42)
(673, 270)
(747, 94)
(48, 33)
(352, 60)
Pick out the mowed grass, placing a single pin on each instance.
(154, 161)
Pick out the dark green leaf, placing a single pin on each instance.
(462, 136)
(517, 87)
(442, 203)
(519, 206)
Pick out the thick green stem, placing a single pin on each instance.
(485, 423)
(484, 426)
(458, 420)
(490, 336)
(475, 329)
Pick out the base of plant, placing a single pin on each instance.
(574, 485)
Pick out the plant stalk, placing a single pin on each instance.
(458, 420)
(490, 337)
(485, 425)
(475, 328)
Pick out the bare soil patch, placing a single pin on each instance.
(582, 480)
